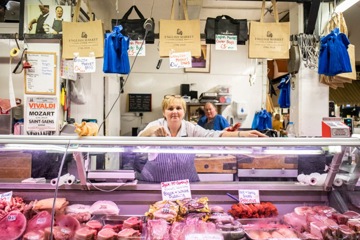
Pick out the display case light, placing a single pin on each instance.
(96, 149)
(19, 147)
(293, 151)
(192, 151)
(343, 6)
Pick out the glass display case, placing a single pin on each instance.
(286, 171)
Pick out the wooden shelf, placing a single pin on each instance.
(191, 105)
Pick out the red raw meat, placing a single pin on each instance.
(158, 229)
(85, 233)
(107, 234)
(340, 218)
(66, 221)
(177, 231)
(94, 224)
(104, 207)
(59, 233)
(12, 226)
(318, 229)
(352, 214)
(354, 224)
(40, 221)
(81, 216)
(346, 232)
(309, 236)
(116, 227)
(128, 232)
(34, 235)
(304, 210)
(324, 210)
(133, 222)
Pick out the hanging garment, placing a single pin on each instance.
(284, 97)
(262, 120)
(116, 58)
(334, 58)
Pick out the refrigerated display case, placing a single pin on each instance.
(103, 168)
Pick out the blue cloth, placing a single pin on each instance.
(262, 121)
(116, 59)
(284, 97)
(219, 122)
(334, 58)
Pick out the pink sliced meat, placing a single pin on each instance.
(304, 210)
(59, 233)
(107, 234)
(324, 210)
(346, 232)
(340, 218)
(40, 221)
(69, 222)
(116, 227)
(298, 222)
(85, 233)
(12, 226)
(5, 105)
(318, 229)
(309, 236)
(352, 214)
(94, 224)
(133, 222)
(127, 233)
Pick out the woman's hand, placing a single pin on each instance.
(154, 131)
(251, 133)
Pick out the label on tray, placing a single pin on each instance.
(249, 196)
(201, 236)
(6, 196)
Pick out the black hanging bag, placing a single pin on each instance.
(226, 25)
(134, 28)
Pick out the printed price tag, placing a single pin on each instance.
(249, 196)
(226, 42)
(135, 47)
(40, 220)
(84, 64)
(6, 196)
(199, 236)
(175, 190)
(180, 60)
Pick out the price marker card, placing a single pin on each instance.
(199, 236)
(225, 42)
(6, 196)
(84, 65)
(249, 196)
(180, 60)
(175, 190)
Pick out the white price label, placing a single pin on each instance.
(199, 236)
(249, 196)
(226, 42)
(11, 218)
(6, 196)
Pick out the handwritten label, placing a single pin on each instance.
(11, 218)
(135, 48)
(175, 190)
(200, 236)
(139, 102)
(67, 69)
(6, 196)
(249, 196)
(180, 60)
(226, 42)
(84, 64)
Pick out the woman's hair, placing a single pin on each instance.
(277, 116)
(168, 100)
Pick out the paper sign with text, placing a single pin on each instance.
(67, 69)
(135, 47)
(6, 196)
(180, 60)
(175, 190)
(226, 42)
(203, 236)
(249, 196)
(84, 64)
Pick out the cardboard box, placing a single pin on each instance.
(268, 162)
(15, 165)
(334, 127)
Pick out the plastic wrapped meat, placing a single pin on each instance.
(104, 208)
(94, 224)
(177, 230)
(128, 233)
(13, 225)
(107, 234)
(85, 233)
(134, 223)
(298, 222)
(352, 215)
(346, 233)
(40, 221)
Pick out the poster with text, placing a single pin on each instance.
(41, 115)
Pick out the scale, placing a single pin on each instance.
(111, 175)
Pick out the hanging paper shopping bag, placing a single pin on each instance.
(270, 39)
(84, 38)
(179, 35)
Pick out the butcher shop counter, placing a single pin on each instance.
(78, 157)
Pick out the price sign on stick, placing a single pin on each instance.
(6, 196)
(175, 190)
(249, 196)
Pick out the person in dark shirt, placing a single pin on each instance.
(40, 20)
(212, 120)
(54, 25)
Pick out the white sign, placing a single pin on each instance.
(6, 196)
(249, 196)
(84, 64)
(41, 115)
(180, 60)
(135, 48)
(67, 70)
(226, 42)
(175, 190)
(203, 236)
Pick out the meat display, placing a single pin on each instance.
(107, 234)
(264, 209)
(85, 233)
(128, 233)
(47, 204)
(13, 225)
(133, 222)
(104, 208)
(39, 222)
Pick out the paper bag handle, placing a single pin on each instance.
(276, 15)
(77, 10)
(172, 16)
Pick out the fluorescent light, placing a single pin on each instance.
(292, 152)
(342, 7)
(17, 147)
(192, 151)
